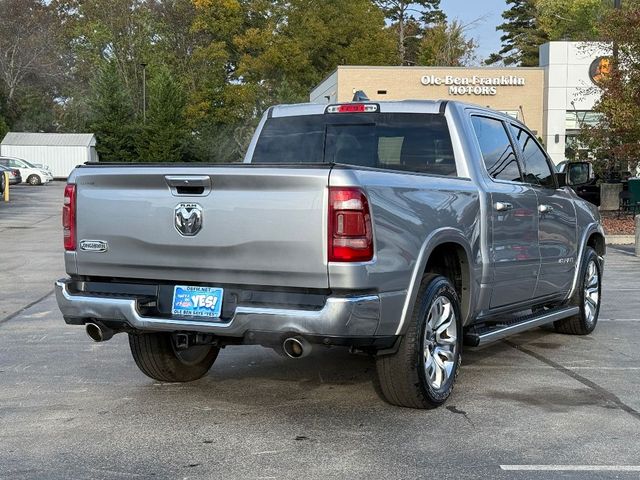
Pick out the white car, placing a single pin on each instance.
(30, 173)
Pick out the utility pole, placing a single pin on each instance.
(144, 92)
(617, 4)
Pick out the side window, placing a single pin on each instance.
(497, 151)
(536, 167)
(14, 164)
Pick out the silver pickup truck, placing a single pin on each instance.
(399, 229)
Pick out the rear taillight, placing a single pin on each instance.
(69, 217)
(350, 233)
(16, 173)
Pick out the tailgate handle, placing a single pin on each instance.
(189, 184)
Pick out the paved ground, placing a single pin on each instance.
(70, 408)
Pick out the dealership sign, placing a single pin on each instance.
(473, 85)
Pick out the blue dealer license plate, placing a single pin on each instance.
(191, 301)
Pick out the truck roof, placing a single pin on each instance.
(396, 106)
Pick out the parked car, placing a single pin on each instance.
(14, 175)
(32, 174)
(399, 229)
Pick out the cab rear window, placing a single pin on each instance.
(395, 141)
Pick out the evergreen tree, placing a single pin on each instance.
(162, 138)
(4, 128)
(410, 19)
(523, 35)
(112, 118)
(433, 14)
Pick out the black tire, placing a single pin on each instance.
(403, 377)
(586, 320)
(3, 183)
(156, 356)
(34, 180)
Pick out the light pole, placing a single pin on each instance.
(144, 92)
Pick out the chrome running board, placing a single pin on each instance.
(485, 334)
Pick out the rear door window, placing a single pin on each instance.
(536, 166)
(408, 142)
(497, 152)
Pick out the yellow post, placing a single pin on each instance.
(6, 186)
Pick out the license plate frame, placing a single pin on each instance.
(197, 302)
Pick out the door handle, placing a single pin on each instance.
(545, 208)
(502, 206)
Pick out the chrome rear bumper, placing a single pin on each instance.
(353, 316)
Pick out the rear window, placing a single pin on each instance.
(396, 141)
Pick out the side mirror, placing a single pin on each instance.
(561, 178)
(578, 173)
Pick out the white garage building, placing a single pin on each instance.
(60, 151)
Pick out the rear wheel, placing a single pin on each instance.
(34, 180)
(587, 298)
(3, 184)
(421, 374)
(156, 356)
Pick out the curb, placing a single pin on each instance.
(620, 239)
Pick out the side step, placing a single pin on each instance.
(474, 337)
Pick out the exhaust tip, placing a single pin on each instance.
(295, 347)
(98, 333)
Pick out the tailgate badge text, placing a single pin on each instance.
(93, 246)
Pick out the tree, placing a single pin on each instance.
(522, 35)
(300, 43)
(576, 20)
(615, 139)
(29, 62)
(112, 117)
(410, 19)
(163, 137)
(4, 128)
(446, 45)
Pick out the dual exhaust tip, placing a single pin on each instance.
(293, 347)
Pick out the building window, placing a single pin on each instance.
(575, 119)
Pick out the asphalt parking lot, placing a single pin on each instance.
(541, 405)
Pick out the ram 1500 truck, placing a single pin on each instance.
(400, 229)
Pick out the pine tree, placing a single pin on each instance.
(112, 118)
(411, 19)
(523, 36)
(163, 136)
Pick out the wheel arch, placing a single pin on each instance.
(597, 242)
(592, 236)
(447, 252)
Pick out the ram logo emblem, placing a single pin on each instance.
(188, 219)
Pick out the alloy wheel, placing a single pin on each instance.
(440, 342)
(591, 292)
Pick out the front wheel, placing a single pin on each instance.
(34, 180)
(587, 298)
(421, 374)
(157, 357)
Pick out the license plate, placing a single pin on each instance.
(192, 301)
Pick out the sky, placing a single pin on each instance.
(485, 15)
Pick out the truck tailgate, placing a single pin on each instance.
(260, 226)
